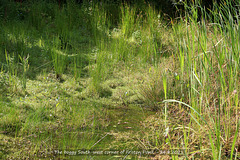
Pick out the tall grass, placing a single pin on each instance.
(12, 71)
(25, 67)
(212, 71)
(209, 77)
(197, 75)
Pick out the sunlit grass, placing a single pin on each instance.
(70, 76)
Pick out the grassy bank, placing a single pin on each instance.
(104, 77)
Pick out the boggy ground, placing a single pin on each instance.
(52, 115)
(142, 86)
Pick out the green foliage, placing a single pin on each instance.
(61, 57)
(25, 67)
(4, 83)
(9, 10)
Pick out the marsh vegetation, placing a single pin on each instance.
(110, 77)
